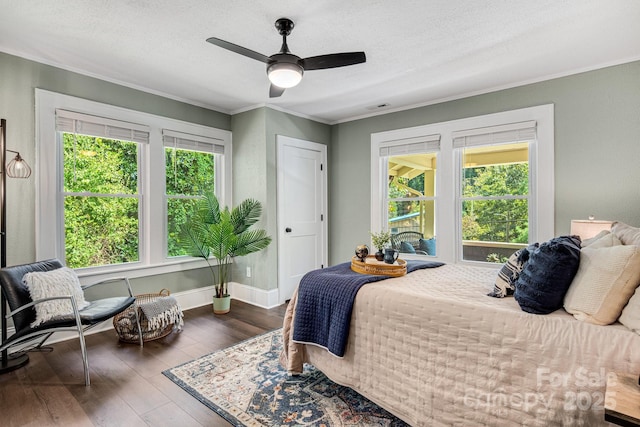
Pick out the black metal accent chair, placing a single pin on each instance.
(23, 313)
(410, 237)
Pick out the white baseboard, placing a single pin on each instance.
(249, 294)
(187, 299)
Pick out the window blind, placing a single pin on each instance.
(421, 144)
(512, 132)
(186, 141)
(102, 127)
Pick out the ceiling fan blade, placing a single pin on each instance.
(238, 49)
(275, 91)
(333, 60)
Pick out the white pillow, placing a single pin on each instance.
(605, 241)
(592, 240)
(59, 282)
(604, 283)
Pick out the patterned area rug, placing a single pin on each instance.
(246, 385)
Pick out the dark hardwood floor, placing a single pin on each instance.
(127, 384)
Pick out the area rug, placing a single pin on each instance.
(246, 385)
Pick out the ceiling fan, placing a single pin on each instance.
(285, 69)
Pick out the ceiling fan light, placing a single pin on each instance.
(285, 75)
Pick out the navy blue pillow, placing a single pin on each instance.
(428, 245)
(545, 279)
(407, 248)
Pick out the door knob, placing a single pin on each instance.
(287, 230)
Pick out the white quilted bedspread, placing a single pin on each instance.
(433, 349)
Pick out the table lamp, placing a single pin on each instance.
(587, 229)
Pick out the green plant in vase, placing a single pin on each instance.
(380, 240)
(222, 234)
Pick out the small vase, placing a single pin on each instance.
(222, 305)
(379, 255)
(390, 255)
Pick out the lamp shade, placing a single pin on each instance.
(285, 74)
(17, 167)
(586, 229)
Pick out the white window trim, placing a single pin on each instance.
(447, 181)
(154, 224)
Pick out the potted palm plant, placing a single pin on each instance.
(222, 234)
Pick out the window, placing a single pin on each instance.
(114, 184)
(494, 201)
(189, 171)
(495, 189)
(484, 189)
(101, 201)
(100, 193)
(411, 193)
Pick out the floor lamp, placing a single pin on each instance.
(16, 168)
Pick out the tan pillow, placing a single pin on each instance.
(627, 234)
(604, 283)
(630, 316)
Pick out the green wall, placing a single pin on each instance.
(255, 176)
(597, 149)
(249, 170)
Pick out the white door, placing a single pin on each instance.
(302, 200)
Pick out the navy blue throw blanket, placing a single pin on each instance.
(325, 301)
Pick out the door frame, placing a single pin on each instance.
(281, 142)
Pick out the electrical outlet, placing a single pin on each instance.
(248, 271)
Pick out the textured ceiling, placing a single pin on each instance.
(418, 52)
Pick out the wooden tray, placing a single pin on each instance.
(372, 266)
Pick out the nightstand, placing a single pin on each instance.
(622, 400)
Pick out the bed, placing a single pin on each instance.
(433, 349)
